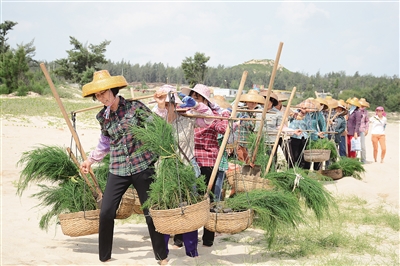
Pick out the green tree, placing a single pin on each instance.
(195, 68)
(4, 29)
(82, 61)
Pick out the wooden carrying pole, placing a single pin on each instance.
(99, 106)
(271, 83)
(71, 128)
(280, 130)
(227, 132)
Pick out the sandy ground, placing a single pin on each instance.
(23, 243)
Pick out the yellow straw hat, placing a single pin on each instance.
(102, 80)
(354, 101)
(221, 101)
(332, 103)
(282, 97)
(363, 102)
(323, 103)
(272, 96)
(252, 96)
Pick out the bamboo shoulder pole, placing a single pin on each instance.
(227, 132)
(69, 124)
(271, 83)
(280, 130)
(99, 106)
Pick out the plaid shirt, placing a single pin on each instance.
(206, 145)
(125, 160)
(364, 120)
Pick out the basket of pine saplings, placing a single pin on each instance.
(250, 177)
(320, 150)
(349, 167)
(228, 220)
(274, 210)
(67, 197)
(176, 199)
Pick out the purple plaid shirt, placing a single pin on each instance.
(116, 138)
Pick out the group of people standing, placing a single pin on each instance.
(199, 140)
(358, 126)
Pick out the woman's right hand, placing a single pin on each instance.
(85, 166)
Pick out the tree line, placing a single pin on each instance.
(20, 73)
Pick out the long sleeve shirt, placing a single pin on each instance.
(206, 142)
(354, 122)
(364, 120)
(315, 121)
(117, 139)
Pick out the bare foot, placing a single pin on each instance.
(176, 247)
(163, 262)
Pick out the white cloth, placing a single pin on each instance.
(378, 125)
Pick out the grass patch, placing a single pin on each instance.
(361, 236)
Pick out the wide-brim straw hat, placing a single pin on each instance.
(354, 101)
(102, 80)
(272, 96)
(221, 101)
(332, 103)
(166, 89)
(363, 102)
(201, 89)
(282, 97)
(342, 105)
(252, 96)
(323, 103)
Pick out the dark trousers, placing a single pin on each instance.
(342, 146)
(189, 240)
(296, 151)
(115, 188)
(208, 236)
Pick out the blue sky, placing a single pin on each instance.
(322, 36)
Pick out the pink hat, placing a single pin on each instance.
(167, 89)
(203, 90)
(379, 108)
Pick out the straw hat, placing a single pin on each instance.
(282, 97)
(203, 90)
(102, 80)
(342, 105)
(363, 102)
(252, 96)
(165, 89)
(221, 101)
(332, 103)
(354, 101)
(272, 96)
(323, 103)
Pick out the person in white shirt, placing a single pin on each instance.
(378, 125)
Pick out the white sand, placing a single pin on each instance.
(23, 243)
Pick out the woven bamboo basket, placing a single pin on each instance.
(335, 174)
(230, 173)
(316, 155)
(127, 204)
(231, 222)
(245, 183)
(181, 220)
(80, 223)
(136, 204)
